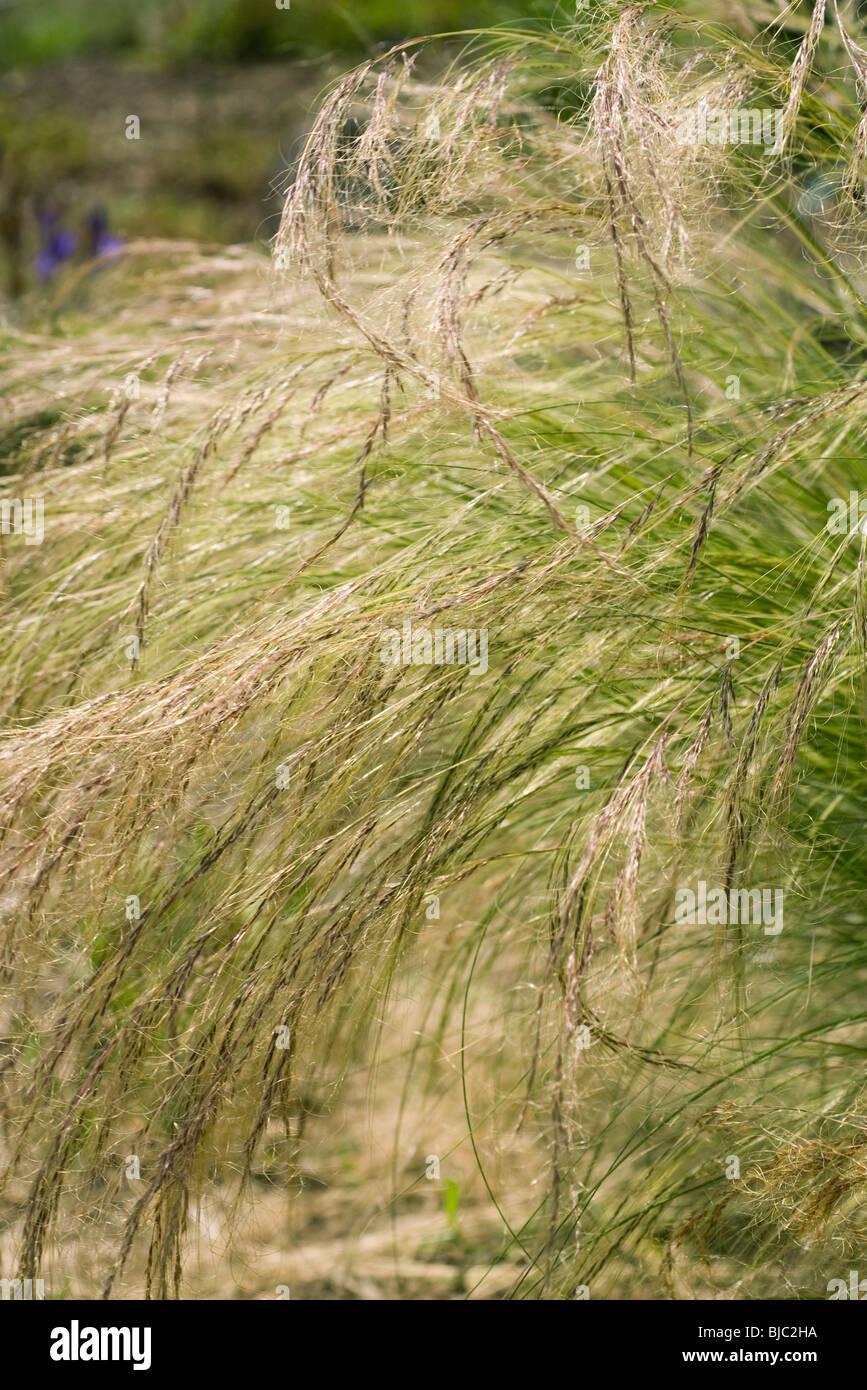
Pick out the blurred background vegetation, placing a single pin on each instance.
(223, 91)
(172, 32)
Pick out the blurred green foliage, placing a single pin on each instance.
(37, 160)
(206, 174)
(180, 31)
(40, 152)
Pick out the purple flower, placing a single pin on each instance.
(100, 242)
(57, 244)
